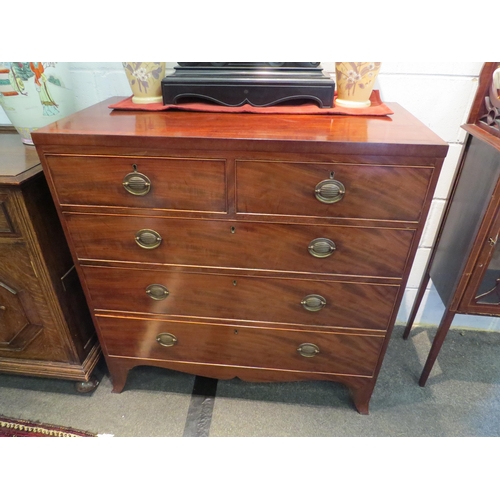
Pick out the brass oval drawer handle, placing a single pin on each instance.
(148, 239)
(137, 184)
(329, 191)
(157, 292)
(313, 302)
(166, 339)
(321, 248)
(308, 350)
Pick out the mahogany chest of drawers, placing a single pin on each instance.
(264, 247)
(45, 325)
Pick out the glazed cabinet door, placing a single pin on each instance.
(482, 295)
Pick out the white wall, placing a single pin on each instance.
(438, 94)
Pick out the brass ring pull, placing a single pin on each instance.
(308, 350)
(157, 292)
(321, 248)
(137, 184)
(148, 239)
(329, 191)
(166, 339)
(313, 302)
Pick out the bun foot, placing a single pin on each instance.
(87, 386)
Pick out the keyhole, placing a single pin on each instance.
(332, 174)
(134, 166)
(233, 229)
(235, 282)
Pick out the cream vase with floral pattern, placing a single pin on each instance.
(355, 82)
(145, 81)
(35, 94)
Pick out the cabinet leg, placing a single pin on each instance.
(361, 395)
(416, 305)
(119, 375)
(442, 330)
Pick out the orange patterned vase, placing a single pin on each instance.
(355, 82)
(145, 81)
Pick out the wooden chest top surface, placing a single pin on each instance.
(98, 125)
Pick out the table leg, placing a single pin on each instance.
(416, 305)
(442, 330)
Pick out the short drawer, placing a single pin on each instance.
(140, 182)
(230, 297)
(323, 249)
(331, 190)
(249, 347)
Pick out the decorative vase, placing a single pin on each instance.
(35, 94)
(355, 82)
(145, 81)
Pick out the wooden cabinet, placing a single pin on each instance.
(464, 265)
(45, 324)
(264, 247)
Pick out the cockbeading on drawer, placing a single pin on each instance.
(331, 190)
(297, 248)
(252, 347)
(190, 184)
(338, 304)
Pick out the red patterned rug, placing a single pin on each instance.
(11, 427)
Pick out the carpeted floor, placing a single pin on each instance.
(461, 398)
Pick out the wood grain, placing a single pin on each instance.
(242, 298)
(176, 184)
(250, 347)
(372, 191)
(362, 251)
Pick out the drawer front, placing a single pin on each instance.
(348, 305)
(250, 347)
(159, 183)
(371, 191)
(378, 252)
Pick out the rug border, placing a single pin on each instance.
(49, 430)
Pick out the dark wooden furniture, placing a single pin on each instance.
(254, 83)
(265, 247)
(45, 325)
(464, 265)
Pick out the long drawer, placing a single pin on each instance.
(288, 301)
(371, 191)
(249, 347)
(140, 182)
(324, 249)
